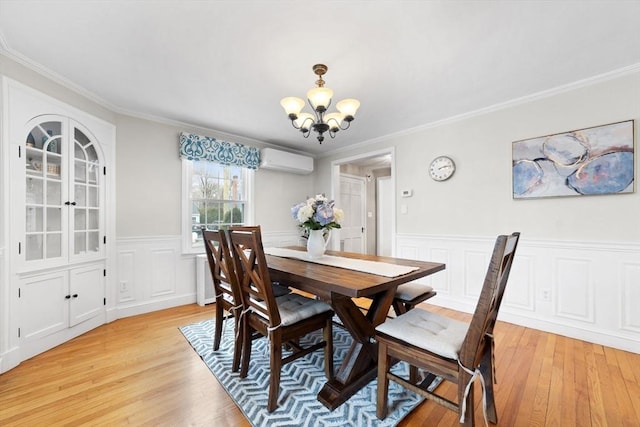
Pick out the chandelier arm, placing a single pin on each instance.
(347, 127)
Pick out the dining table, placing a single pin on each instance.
(340, 279)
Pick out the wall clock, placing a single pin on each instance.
(442, 168)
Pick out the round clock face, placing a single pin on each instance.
(442, 168)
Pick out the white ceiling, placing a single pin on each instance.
(225, 65)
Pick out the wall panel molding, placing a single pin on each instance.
(584, 290)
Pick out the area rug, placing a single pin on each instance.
(300, 383)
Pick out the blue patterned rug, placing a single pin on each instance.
(300, 383)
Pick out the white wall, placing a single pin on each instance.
(588, 247)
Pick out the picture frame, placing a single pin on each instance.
(591, 161)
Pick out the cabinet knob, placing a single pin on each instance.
(67, 297)
(75, 295)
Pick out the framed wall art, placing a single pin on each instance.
(590, 161)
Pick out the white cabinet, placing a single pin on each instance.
(55, 301)
(59, 198)
(63, 186)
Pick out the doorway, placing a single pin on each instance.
(368, 168)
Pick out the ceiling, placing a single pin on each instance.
(225, 65)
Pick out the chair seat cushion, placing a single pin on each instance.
(435, 333)
(279, 289)
(411, 290)
(294, 308)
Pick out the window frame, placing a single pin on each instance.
(188, 247)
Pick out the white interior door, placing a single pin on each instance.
(385, 210)
(352, 202)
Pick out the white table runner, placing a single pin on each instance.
(374, 267)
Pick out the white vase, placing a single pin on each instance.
(316, 243)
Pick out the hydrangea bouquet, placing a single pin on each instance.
(317, 213)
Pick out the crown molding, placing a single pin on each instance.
(611, 75)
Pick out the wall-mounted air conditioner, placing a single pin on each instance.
(286, 162)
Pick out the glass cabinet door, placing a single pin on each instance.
(86, 190)
(44, 192)
(63, 216)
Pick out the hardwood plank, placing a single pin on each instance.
(141, 371)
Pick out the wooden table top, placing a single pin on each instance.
(323, 280)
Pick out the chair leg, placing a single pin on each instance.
(327, 333)
(237, 345)
(274, 374)
(486, 369)
(217, 335)
(383, 381)
(246, 332)
(413, 374)
(469, 415)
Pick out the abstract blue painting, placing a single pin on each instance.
(590, 161)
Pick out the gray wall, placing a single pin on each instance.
(477, 200)
(149, 181)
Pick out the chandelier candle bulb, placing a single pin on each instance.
(320, 99)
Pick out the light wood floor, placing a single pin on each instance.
(141, 371)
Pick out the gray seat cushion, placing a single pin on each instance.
(435, 333)
(294, 308)
(411, 290)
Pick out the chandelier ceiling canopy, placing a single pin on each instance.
(319, 99)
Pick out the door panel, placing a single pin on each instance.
(87, 293)
(352, 201)
(44, 309)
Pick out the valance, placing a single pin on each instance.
(197, 147)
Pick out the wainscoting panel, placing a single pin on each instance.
(163, 272)
(520, 290)
(126, 261)
(154, 274)
(630, 296)
(475, 267)
(584, 290)
(573, 286)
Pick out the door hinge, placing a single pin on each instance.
(19, 151)
(105, 301)
(104, 170)
(18, 332)
(19, 248)
(19, 293)
(104, 239)
(104, 272)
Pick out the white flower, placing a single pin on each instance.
(338, 214)
(305, 213)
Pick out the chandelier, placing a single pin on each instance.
(320, 99)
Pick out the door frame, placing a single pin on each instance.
(335, 189)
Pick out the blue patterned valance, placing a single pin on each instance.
(196, 147)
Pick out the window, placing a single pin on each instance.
(214, 197)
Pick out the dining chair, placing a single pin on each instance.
(283, 320)
(279, 289)
(226, 288)
(409, 295)
(456, 351)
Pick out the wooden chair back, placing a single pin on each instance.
(480, 333)
(225, 281)
(253, 273)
